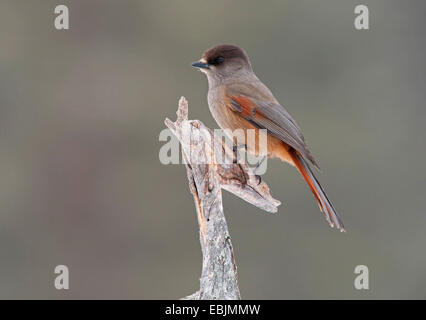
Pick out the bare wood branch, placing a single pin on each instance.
(210, 168)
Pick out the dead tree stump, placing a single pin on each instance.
(210, 168)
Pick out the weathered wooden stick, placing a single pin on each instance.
(210, 168)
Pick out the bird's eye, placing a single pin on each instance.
(217, 61)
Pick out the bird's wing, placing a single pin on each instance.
(270, 116)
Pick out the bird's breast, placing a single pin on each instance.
(224, 116)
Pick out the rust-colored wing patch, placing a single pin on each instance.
(244, 106)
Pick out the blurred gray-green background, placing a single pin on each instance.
(80, 179)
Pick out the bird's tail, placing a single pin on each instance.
(324, 204)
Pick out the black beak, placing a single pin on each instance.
(199, 64)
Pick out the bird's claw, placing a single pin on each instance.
(259, 179)
(235, 149)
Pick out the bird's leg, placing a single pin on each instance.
(259, 164)
(259, 178)
(235, 149)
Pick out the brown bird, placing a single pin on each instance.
(239, 100)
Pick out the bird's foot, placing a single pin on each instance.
(235, 149)
(256, 169)
(259, 179)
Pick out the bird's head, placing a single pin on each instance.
(223, 61)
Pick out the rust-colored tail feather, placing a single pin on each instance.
(325, 205)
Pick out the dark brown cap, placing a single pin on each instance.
(224, 51)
